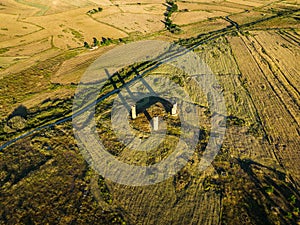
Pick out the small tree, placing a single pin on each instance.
(86, 45)
(95, 42)
(104, 41)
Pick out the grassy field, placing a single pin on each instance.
(252, 47)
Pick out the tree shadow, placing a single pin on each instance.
(21, 110)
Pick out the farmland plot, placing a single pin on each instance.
(29, 49)
(182, 18)
(158, 9)
(11, 28)
(203, 27)
(131, 22)
(248, 17)
(70, 28)
(14, 8)
(279, 124)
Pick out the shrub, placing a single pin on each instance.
(86, 45)
(270, 189)
(95, 42)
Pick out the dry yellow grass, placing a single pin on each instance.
(57, 6)
(248, 3)
(251, 16)
(7, 61)
(14, 8)
(71, 28)
(101, 2)
(29, 49)
(206, 7)
(285, 22)
(203, 27)
(235, 5)
(271, 102)
(281, 52)
(28, 62)
(218, 57)
(54, 6)
(182, 18)
(206, 1)
(144, 9)
(36, 99)
(124, 2)
(130, 22)
(107, 10)
(11, 28)
(72, 70)
(28, 39)
(281, 5)
(277, 52)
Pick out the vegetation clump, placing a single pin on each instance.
(104, 42)
(93, 11)
(170, 26)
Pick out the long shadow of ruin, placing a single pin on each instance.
(147, 102)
